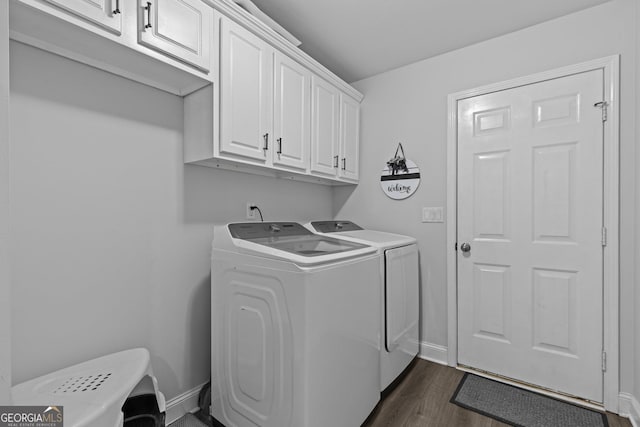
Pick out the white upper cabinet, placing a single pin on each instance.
(275, 112)
(335, 132)
(246, 87)
(292, 115)
(253, 102)
(161, 43)
(178, 28)
(104, 13)
(349, 137)
(325, 120)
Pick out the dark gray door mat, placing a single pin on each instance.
(521, 408)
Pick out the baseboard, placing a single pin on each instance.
(630, 408)
(433, 353)
(183, 403)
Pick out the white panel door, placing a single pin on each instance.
(5, 212)
(105, 13)
(530, 203)
(178, 28)
(325, 105)
(349, 137)
(246, 94)
(292, 115)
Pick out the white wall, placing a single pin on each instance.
(409, 104)
(112, 233)
(5, 275)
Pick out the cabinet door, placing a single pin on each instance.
(349, 137)
(292, 114)
(178, 28)
(105, 13)
(246, 94)
(324, 127)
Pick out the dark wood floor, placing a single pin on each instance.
(421, 399)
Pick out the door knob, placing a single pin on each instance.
(465, 247)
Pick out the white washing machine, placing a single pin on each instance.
(294, 327)
(399, 280)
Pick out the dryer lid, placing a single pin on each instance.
(379, 239)
(352, 232)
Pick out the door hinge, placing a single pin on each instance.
(604, 236)
(604, 361)
(603, 106)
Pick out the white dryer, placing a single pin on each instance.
(294, 328)
(399, 279)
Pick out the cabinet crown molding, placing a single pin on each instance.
(233, 11)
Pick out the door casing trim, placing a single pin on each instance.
(611, 68)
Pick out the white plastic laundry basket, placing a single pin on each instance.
(92, 393)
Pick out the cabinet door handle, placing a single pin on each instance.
(117, 9)
(266, 141)
(335, 161)
(344, 163)
(148, 9)
(279, 145)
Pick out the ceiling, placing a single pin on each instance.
(360, 38)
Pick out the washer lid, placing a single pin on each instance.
(309, 246)
(290, 240)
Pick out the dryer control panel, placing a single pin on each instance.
(334, 226)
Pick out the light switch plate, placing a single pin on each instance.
(433, 214)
